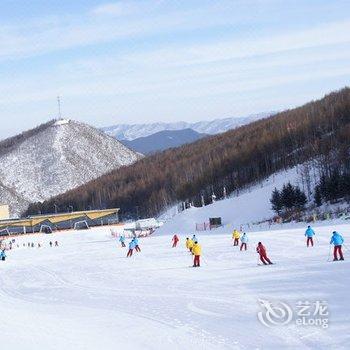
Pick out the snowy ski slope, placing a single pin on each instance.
(86, 295)
(251, 205)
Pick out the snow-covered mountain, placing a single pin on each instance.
(54, 158)
(134, 131)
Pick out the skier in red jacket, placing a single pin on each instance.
(175, 240)
(262, 252)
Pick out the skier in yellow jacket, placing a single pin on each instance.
(235, 236)
(196, 251)
(189, 244)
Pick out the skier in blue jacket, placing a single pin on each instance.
(3, 255)
(244, 241)
(136, 241)
(131, 248)
(337, 240)
(309, 233)
(122, 240)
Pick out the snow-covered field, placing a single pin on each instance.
(85, 294)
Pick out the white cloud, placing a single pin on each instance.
(52, 34)
(330, 34)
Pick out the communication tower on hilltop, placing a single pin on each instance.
(59, 107)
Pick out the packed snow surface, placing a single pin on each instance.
(85, 294)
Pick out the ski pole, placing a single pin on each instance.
(258, 260)
(329, 254)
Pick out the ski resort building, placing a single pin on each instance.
(62, 221)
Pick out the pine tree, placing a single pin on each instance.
(276, 201)
(288, 196)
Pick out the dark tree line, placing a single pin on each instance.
(237, 158)
(332, 187)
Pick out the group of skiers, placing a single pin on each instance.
(12, 244)
(133, 244)
(236, 236)
(241, 241)
(39, 245)
(260, 249)
(337, 241)
(194, 248)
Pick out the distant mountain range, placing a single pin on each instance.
(163, 140)
(54, 158)
(133, 131)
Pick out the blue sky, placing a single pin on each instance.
(146, 61)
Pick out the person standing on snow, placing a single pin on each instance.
(244, 241)
(131, 248)
(261, 250)
(337, 239)
(189, 244)
(122, 241)
(3, 255)
(235, 236)
(196, 251)
(175, 240)
(137, 247)
(194, 238)
(309, 233)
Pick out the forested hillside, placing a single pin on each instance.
(319, 130)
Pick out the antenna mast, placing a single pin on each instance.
(59, 107)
